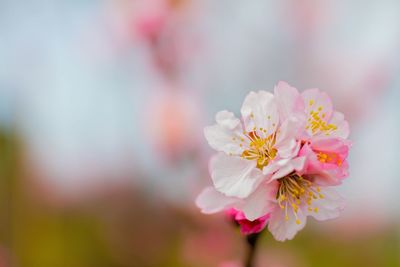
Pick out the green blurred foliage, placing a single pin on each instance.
(315, 248)
(130, 229)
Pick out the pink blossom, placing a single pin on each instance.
(323, 139)
(279, 163)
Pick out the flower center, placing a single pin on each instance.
(328, 157)
(295, 191)
(261, 149)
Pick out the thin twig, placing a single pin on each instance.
(252, 242)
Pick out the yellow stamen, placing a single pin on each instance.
(260, 149)
(317, 123)
(295, 192)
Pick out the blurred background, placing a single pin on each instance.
(102, 110)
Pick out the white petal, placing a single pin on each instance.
(329, 207)
(235, 176)
(283, 229)
(212, 201)
(227, 119)
(296, 164)
(260, 202)
(289, 100)
(286, 142)
(289, 130)
(342, 125)
(259, 110)
(289, 149)
(225, 136)
(274, 166)
(283, 167)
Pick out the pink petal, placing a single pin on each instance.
(289, 101)
(251, 227)
(247, 226)
(342, 125)
(332, 145)
(332, 170)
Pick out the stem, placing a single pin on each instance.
(252, 242)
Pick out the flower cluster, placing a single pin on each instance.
(278, 163)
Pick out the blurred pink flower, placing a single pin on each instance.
(162, 24)
(149, 26)
(230, 264)
(287, 190)
(170, 122)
